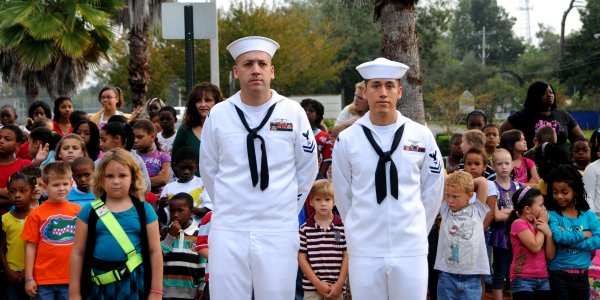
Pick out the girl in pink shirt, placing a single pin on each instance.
(531, 243)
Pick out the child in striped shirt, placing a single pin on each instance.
(322, 256)
(183, 272)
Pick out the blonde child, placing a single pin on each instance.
(531, 243)
(157, 162)
(506, 187)
(119, 183)
(576, 232)
(461, 254)
(524, 169)
(21, 194)
(49, 232)
(322, 256)
(70, 147)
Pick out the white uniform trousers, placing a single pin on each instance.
(383, 278)
(242, 262)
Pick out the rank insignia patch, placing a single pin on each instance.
(414, 147)
(436, 166)
(309, 147)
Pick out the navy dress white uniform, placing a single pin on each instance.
(388, 202)
(254, 242)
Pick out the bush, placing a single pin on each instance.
(443, 142)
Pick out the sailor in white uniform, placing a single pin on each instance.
(258, 162)
(388, 181)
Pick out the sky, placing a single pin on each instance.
(548, 12)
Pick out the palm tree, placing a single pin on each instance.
(400, 42)
(52, 44)
(138, 18)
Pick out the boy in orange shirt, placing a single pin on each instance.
(49, 232)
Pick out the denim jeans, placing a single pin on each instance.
(52, 292)
(459, 287)
(565, 286)
(530, 285)
(502, 260)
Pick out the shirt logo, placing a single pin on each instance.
(59, 230)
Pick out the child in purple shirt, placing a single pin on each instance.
(158, 163)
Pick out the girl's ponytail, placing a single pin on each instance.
(522, 198)
(47, 136)
(511, 219)
(122, 130)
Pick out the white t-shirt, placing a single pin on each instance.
(194, 187)
(492, 191)
(344, 115)
(461, 247)
(166, 145)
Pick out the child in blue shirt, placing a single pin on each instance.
(83, 169)
(576, 232)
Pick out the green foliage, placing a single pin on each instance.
(306, 62)
(581, 67)
(360, 40)
(49, 44)
(307, 59)
(471, 17)
(443, 142)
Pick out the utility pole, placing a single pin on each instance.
(526, 22)
(483, 45)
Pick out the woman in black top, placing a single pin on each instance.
(540, 110)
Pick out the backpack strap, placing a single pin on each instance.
(134, 259)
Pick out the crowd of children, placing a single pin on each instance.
(134, 219)
(544, 230)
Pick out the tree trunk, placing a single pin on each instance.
(32, 92)
(138, 64)
(561, 52)
(400, 42)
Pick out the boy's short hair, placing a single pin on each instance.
(184, 196)
(56, 170)
(461, 180)
(475, 136)
(545, 134)
(31, 171)
(490, 125)
(321, 187)
(81, 161)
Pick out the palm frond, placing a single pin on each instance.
(74, 43)
(35, 54)
(16, 12)
(12, 36)
(45, 26)
(92, 14)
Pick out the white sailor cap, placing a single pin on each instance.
(252, 43)
(382, 68)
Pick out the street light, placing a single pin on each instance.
(597, 35)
